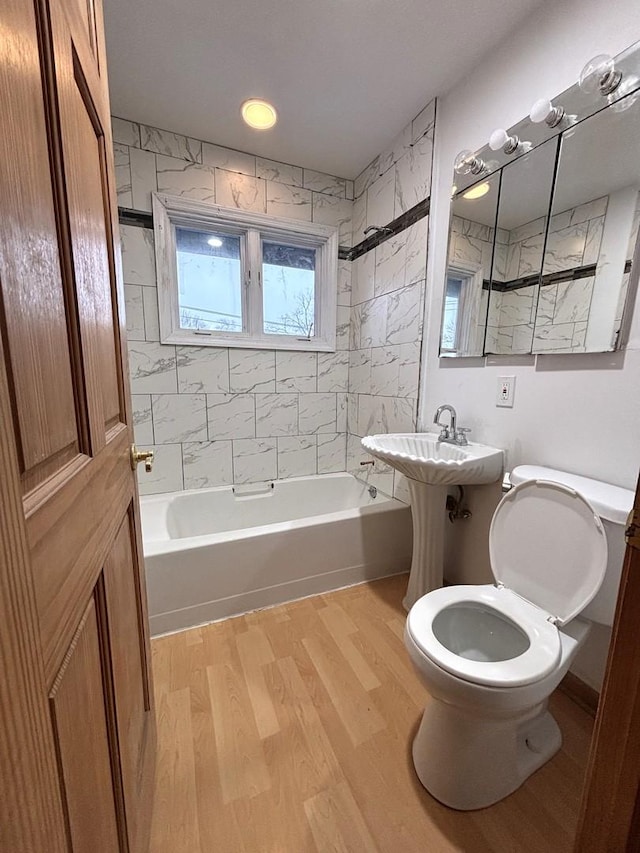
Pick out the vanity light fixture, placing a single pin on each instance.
(466, 162)
(216, 242)
(500, 139)
(477, 191)
(600, 74)
(544, 111)
(259, 114)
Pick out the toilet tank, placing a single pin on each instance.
(613, 504)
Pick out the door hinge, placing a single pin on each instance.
(632, 533)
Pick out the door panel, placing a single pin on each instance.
(70, 535)
(129, 661)
(33, 311)
(30, 806)
(84, 159)
(80, 728)
(86, 16)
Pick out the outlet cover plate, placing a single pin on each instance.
(505, 391)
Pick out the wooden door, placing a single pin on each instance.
(77, 735)
(610, 815)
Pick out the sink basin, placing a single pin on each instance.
(422, 458)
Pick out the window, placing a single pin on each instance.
(231, 278)
(451, 316)
(464, 312)
(209, 268)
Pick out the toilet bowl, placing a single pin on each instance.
(490, 656)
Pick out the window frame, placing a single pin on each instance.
(456, 335)
(253, 229)
(471, 279)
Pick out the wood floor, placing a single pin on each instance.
(288, 730)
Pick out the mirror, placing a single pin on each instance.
(471, 238)
(592, 233)
(559, 276)
(525, 199)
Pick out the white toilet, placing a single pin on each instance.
(490, 656)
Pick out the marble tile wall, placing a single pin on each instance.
(398, 178)
(217, 416)
(471, 244)
(152, 160)
(520, 319)
(562, 313)
(556, 318)
(387, 300)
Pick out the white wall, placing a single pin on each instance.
(575, 412)
(579, 413)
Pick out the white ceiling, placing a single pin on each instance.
(344, 75)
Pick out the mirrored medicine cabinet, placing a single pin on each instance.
(542, 243)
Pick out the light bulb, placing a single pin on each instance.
(498, 139)
(463, 163)
(544, 111)
(216, 242)
(466, 162)
(599, 75)
(540, 110)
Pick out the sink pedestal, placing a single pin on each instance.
(428, 506)
(431, 466)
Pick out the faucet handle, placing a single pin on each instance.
(445, 435)
(461, 435)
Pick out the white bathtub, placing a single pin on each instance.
(212, 553)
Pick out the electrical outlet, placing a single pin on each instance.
(505, 391)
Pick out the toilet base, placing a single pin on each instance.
(470, 763)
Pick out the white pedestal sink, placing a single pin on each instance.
(431, 466)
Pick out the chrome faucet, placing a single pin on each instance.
(450, 434)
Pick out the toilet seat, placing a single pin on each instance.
(539, 659)
(547, 543)
(548, 552)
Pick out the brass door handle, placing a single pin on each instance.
(138, 456)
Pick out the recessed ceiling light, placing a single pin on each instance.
(216, 242)
(477, 191)
(259, 114)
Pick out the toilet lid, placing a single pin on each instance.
(547, 544)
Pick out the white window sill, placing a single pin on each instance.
(267, 342)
